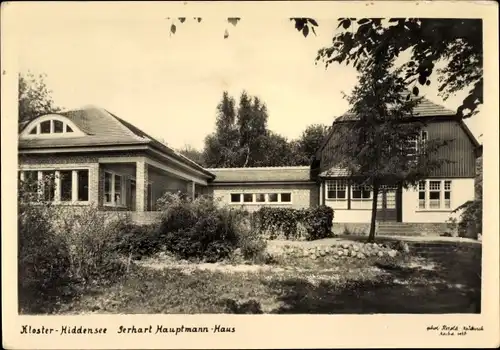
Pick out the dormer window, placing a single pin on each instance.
(51, 126)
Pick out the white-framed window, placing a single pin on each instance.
(51, 126)
(434, 194)
(114, 189)
(422, 194)
(417, 145)
(361, 193)
(260, 198)
(50, 185)
(336, 190)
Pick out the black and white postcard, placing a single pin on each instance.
(250, 174)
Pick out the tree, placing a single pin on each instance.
(373, 143)
(34, 98)
(277, 151)
(458, 42)
(240, 135)
(221, 147)
(193, 154)
(309, 142)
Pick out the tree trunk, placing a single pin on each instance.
(247, 157)
(371, 236)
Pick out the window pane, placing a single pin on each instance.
(434, 185)
(83, 185)
(366, 194)
(58, 126)
(260, 197)
(107, 187)
(248, 197)
(331, 194)
(66, 180)
(286, 197)
(421, 195)
(273, 197)
(421, 204)
(447, 195)
(118, 189)
(434, 195)
(33, 131)
(45, 127)
(235, 197)
(68, 128)
(447, 185)
(31, 181)
(341, 194)
(356, 194)
(421, 185)
(48, 185)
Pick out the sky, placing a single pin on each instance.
(170, 85)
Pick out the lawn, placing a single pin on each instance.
(446, 280)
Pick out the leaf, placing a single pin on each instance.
(411, 63)
(173, 29)
(422, 79)
(233, 20)
(415, 91)
(305, 31)
(182, 19)
(363, 21)
(226, 34)
(313, 22)
(428, 82)
(314, 31)
(346, 24)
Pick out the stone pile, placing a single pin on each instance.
(341, 251)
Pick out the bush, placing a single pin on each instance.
(471, 218)
(137, 241)
(198, 229)
(251, 243)
(43, 260)
(91, 237)
(316, 221)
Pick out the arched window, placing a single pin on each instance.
(52, 126)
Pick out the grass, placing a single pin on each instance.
(424, 283)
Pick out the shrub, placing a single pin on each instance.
(251, 243)
(43, 257)
(316, 221)
(137, 241)
(43, 260)
(91, 237)
(471, 218)
(198, 228)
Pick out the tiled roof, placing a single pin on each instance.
(265, 174)
(104, 128)
(425, 108)
(336, 172)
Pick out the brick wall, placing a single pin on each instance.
(303, 195)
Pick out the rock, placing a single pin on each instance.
(345, 245)
(361, 256)
(355, 248)
(353, 254)
(322, 253)
(392, 253)
(340, 253)
(380, 253)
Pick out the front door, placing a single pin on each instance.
(386, 204)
